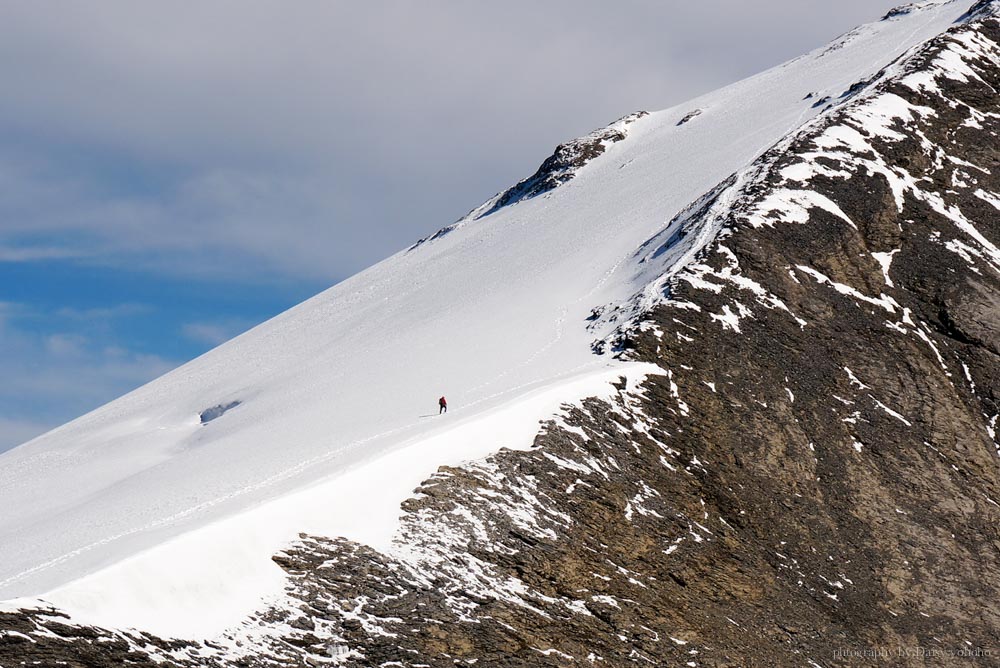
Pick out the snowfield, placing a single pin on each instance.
(138, 514)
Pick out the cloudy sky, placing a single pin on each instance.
(173, 173)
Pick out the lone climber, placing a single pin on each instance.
(442, 405)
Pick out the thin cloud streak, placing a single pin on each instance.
(50, 376)
(34, 254)
(214, 333)
(14, 432)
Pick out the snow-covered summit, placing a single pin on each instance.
(322, 414)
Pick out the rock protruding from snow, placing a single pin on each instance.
(560, 167)
(563, 164)
(217, 411)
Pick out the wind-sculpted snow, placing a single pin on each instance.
(811, 467)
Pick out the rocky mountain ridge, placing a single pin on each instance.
(813, 479)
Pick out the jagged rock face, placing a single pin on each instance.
(564, 163)
(49, 638)
(814, 477)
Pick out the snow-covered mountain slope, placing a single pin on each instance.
(334, 395)
(815, 475)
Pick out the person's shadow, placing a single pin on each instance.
(428, 415)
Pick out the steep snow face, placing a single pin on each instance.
(492, 311)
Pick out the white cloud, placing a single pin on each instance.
(65, 345)
(214, 333)
(309, 140)
(52, 377)
(14, 432)
(33, 254)
(102, 312)
(9, 310)
(94, 377)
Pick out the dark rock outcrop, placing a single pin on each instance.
(563, 164)
(559, 168)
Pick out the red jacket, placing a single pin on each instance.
(442, 402)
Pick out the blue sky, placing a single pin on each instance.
(172, 174)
